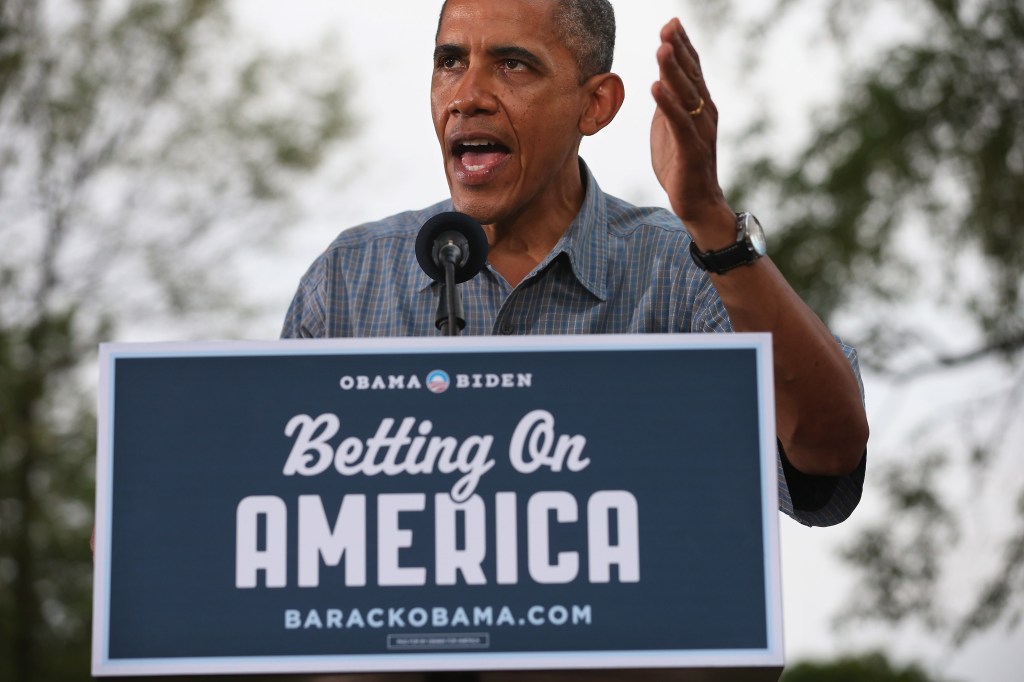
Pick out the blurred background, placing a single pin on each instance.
(169, 168)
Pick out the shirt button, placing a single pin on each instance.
(508, 329)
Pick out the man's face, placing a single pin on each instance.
(506, 103)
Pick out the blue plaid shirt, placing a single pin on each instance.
(618, 269)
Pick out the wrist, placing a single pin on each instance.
(714, 230)
(748, 245)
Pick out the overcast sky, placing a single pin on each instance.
(394, 165)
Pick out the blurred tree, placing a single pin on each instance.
(900, 217)
(873, 667)
(144, 145)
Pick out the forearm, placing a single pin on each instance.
(820, 416)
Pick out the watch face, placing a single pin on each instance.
(755, 235)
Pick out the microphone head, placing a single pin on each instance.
(475, 253)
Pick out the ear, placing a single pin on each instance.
(605, 95)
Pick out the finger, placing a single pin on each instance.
(674, 34)
(684, 40)
(675, 92)
(687, 57)
(676, 113)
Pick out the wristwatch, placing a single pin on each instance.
(750, 245)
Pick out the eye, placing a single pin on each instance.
(514, 65)
(447, 62)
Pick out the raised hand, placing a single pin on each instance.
(684, 136)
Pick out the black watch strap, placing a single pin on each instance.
(723, 260)
(748, 248)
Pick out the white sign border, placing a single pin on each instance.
(771, 656)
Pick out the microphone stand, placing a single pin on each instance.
(451, 248)
(451, 318)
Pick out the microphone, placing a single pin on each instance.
(451, 237)
(451, 248)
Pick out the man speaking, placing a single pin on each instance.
(516, 86)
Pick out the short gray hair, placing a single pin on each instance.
(587, 27)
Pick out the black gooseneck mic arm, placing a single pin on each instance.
(451, 248)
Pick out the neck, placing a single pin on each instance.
(518, 245)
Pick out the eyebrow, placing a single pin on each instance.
(516, 52)
(449, 50)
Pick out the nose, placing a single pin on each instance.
(474, 94)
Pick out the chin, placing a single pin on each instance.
(478, 208)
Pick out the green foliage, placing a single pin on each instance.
(874, 667)
(910, 192)
(931, 136)
(45, 503)
(901, 565)
(144, 145)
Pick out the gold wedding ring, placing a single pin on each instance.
(700, 108)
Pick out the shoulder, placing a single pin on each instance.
(622, 219)
(653, 233)
(652, 244)
(400, 228)
(361, 261)
(625, 219)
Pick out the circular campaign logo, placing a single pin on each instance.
(438, 381)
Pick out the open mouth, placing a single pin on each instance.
(479, 155)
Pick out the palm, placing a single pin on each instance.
(667, 160)
(684, 163)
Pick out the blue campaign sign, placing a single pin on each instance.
(437, 504)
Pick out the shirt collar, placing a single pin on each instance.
(585, 243)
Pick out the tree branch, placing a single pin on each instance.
(1004, 346)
